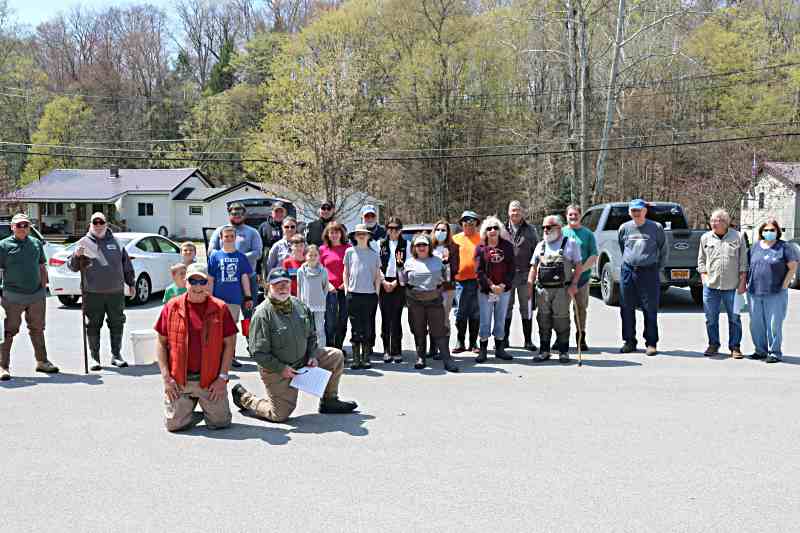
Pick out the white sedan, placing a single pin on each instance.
(152, 256)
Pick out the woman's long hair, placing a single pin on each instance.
(494, 221)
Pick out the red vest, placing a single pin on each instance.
(178, 339)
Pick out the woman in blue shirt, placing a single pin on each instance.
(773, 263)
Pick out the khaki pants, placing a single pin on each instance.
(582, 304)
(281, 399)
(178, 414)
(35, 318)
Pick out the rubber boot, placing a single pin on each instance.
(433, 351)
(366, 355)
(116, 351)
(421, 362)
(461, 334)
(474, 324)
(500, 350)
(527, 332)
(508, 329)
(355, 364)
(94, 353)
(444, 351)
(482, 352)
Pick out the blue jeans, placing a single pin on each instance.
(493, 316)
(713, 301)
(335, 318)
(767, 312)
(639, 288)
(467, 307)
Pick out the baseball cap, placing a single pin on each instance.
(277, 275)
(197, 269)
(469, 214)
(20, 217)
(278, 205)
(368, 209)
(422, 239)
(326, 205)
(236, 205)
(99, 215)
(637, 204)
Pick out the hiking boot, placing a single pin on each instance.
(94, 353)
(580, 340)
(712, 350)
(736, 353)
(335, 406)
(237, 392)
(773, 359)
(118, 361)
(500, 350)
(651, 350)
(116, 351)
(563, 358)
(627, 348)
(46, 367)
(542, 356)
(758, 356)
(444, 351)
(5, 375)
(482, 352)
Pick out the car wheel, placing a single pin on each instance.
(608, 287)
(697, 294)
(142, 290)
(69, 301)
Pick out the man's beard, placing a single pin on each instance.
(99, 233)
(279, 297)
(553, 237)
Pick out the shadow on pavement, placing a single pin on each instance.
(137, 371)
(682, 353)
(433, 368)
(271, 435)
(61, 378)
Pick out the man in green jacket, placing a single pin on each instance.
(283, 339)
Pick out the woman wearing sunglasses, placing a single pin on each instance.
(392, 250)
(772, 267)
(104, 288)
(495, 259)
(283, 248)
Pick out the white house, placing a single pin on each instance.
(177, 202)
(775, 194)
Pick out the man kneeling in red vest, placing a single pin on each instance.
(197, 337)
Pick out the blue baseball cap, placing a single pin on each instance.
(277, 275)
(368, 209)
(637, 204)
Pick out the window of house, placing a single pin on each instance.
(52, 209)
(145, 209)
(195, 209)
(761, 200)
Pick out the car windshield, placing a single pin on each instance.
(669, 216)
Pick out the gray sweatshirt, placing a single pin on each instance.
(107, 279)
(643, 246)
(312, 286)
(424, 274)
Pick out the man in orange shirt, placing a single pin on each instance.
(466, 302)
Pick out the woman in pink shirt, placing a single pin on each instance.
(332, 258)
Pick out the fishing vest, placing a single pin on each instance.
(555, 271)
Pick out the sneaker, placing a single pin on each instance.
(237, 392)
(336, 406)
(5, 375)
(736, 353)
(563, 358)
(543, 356)
(118, 361)
(627, 348)
(651, 350)
(758, 356)
(773, 359)
(46, 367)
(712, 350)
(94, 364)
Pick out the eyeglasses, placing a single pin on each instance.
(492, 228)
(198, 281)
(98, 222)
(550, 226)
(289, 227)
(236, 212)
(22, 225)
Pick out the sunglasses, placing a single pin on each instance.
(393, 228)
(22, 225)
(421, 244)
(198, 281)
(289, 227)
(492, 228)
(236, 212)
(470, 222)
(551, 226)
(326, 208)
(98, 222)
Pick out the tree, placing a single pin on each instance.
(222, 77)
(66, 121)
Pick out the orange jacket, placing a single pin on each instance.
(178, 339)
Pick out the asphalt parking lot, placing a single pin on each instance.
(676, 442)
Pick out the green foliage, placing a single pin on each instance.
(66, 120)
(222, 75)
(254, 66)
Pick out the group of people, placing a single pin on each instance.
(315, 285)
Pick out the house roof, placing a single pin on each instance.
(98, 185)
(789, 173)
(207, 194)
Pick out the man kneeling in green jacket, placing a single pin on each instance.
(282, 340)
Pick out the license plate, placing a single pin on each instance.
(679, 274)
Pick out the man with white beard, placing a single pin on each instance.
(104, 288)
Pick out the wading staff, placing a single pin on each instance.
(580, 331)
(83, 316)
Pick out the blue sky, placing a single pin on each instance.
(32, 12)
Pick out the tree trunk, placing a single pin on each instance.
(610, 100)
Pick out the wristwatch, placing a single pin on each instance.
(224, 377)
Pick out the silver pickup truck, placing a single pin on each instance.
(683, 244)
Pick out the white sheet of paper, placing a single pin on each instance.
(311, 380)
(739, 303)
(91, 251)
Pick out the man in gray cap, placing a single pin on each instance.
(106, 275)
(24, 269)
(466, 301)
(283, 339)
(369, 216)
(524, 237)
